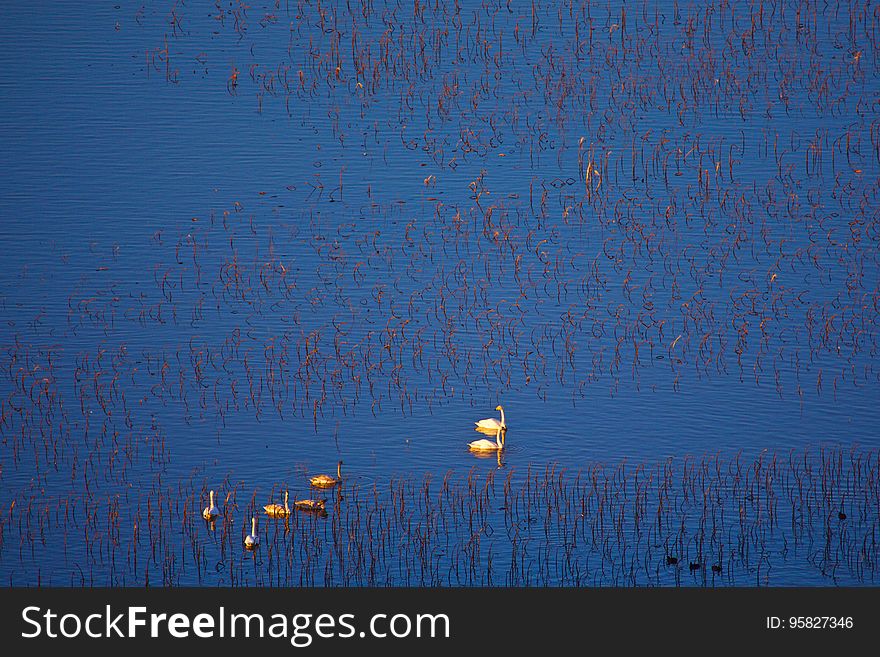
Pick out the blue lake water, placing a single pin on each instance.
(243, 242)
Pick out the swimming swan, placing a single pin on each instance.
(252, 540)
(211, 511)
(276, 510)
(310, 505)
(491, 423)
(484, 445)
(326, 481)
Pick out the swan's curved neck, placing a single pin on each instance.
(285, 498)
(503, 423)
(253, 526)
(212, 499)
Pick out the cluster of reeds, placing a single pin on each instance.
(805, 516)
(580, 200)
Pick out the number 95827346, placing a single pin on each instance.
(820, 622)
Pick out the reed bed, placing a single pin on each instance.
(808, 516)
(572, 200)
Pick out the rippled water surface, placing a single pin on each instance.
(246, 241)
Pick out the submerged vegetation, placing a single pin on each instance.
(538, 202)
(690, 521)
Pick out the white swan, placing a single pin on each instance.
(276, 510)
(252, 540)
(211, 511)
(484, 445)
(491, 423)
(326, 481)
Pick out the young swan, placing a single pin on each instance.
(326, 481)
(310, 505)
(276, 510)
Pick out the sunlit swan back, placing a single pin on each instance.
(485, 445)
(276, 510)
(326, 481)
